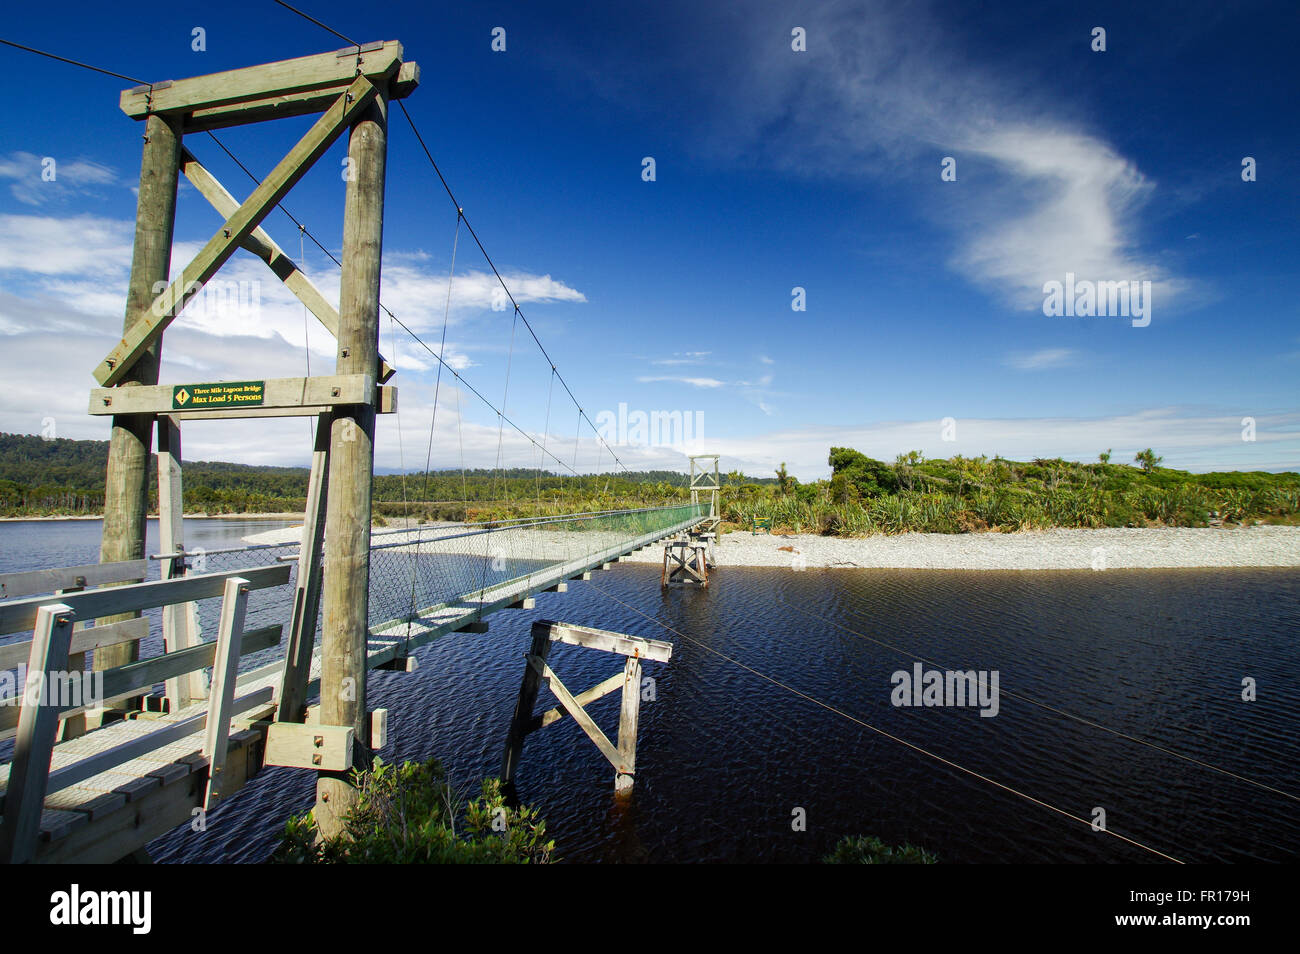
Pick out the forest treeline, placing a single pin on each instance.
(862, 496)
(41, 477)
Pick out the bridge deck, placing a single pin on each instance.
(109, 815)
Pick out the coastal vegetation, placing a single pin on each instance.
(410, 814)
(863, 495)
(967, 494)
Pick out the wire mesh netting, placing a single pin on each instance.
(417, 571)
(422, 569)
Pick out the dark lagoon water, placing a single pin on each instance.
(726, 754)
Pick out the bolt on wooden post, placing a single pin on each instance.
(352, 431)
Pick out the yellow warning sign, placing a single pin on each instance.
(187, 397)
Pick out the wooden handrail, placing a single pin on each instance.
(21, 614)
(36, 582)
(124, 681)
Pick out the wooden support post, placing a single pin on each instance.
(351, 472)
(225, 670)
(628, 720)
(519, 725)
(37, 726)
(74, 725)
(126, 486)
(306, 597)
(180, 621)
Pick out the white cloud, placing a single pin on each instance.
(62, 307)
(85, 246)
(885, 90)
(40, 179)
(693, 382)
(1041, 359)
(685, 357)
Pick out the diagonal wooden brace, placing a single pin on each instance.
(149, 325)
(264, 247)
(579, 714)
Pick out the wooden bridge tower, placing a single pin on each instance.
(351, 90)
(704, 478)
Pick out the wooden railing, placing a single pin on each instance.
(54, 645)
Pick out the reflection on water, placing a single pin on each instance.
(725, 756)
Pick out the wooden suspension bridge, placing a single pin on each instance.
(103, 762)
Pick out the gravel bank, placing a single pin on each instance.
(1122, 548)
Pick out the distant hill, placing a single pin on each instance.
(39, 476)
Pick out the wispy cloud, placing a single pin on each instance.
(684, 357)
(884, 85)
(693, 382)
(35, 180)
(81, 245)
(1041, 359)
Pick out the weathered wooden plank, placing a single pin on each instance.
(225, 671)
(325, 748)
(170, 772)
(653, 649)
(180, 621)
(83, 640)
(37, 582)
(21, 614)
(29, 772)
(296, 672)
(289, 104)
(57, 824)
(95, 804)
(134, 748)
(322, 71)
(584, 699)
(524, 704)
(346, 590)
(174, 803)
(151, 321)
(385, 403)
(290, 393)
(629, 720)
(149, 672)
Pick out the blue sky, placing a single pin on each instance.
(775, 169)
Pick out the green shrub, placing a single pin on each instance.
(408, 814)
(868, 850)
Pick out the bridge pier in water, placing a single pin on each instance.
(537, 672)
